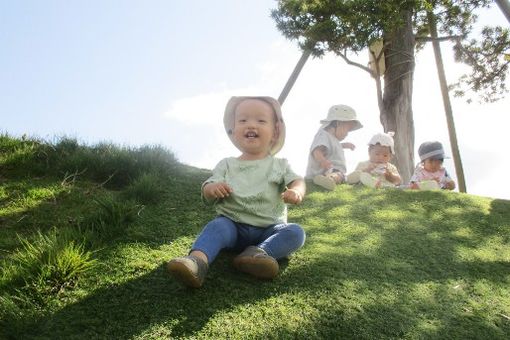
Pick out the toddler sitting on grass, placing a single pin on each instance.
(250, 193)
(326, 159)
(430, 173)
(377, 172)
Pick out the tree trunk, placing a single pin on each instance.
(397, 113)
(446, 102)
(504, 6)
(294, 75)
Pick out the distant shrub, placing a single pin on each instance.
(22, 156)
(66, 147)
(108, 164)
(156, 158)
(110, 218)
(145, 189)
(113, 165)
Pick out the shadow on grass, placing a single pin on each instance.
(360, 296)
(31, 205)
(376, 265)
(70, 205)
(126, 310)
(444, 212)
(410, 240)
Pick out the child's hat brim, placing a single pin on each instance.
(342, 113)
(431, 150)
(229, 119)
(384, 139)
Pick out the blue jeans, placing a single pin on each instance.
(279, 240)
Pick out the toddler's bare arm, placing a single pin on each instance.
(450, 185)
(393, 178)
(295, 192)
(347, 145)
(216, 190)
(319, 154)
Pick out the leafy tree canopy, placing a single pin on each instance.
(351, 25)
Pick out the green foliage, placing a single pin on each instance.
(339, 25)
(146, 189)
(16, 155)
(351, 26)
(111, 217)
(488, 65)
(38, 273)
(15, 310)
(48, 262)
(105, 163)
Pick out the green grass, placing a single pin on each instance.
(384, 264)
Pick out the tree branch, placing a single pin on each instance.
(107, 180)
(350, 62)
(71, 178)
(445, 38)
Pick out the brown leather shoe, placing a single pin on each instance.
(255, 261)
(189, 270)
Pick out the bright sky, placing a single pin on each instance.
(161, 72)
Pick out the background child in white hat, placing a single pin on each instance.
(326, 160)
(377, 172)
(430, 173)
(249, 193)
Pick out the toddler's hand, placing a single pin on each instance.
(370, 167)
(388, 175)
(348, 145)
(217, 190)
(292, 196)
(450, 185)
(326, 164)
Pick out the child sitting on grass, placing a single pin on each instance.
(250, 193)
(430, 173)
(377, 172)
(326, 160)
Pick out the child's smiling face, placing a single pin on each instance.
(254, 128)
(379, 153)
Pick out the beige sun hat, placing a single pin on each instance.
(384, 139)
(342, 113)
(228, 119)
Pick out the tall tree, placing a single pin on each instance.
(346, 27)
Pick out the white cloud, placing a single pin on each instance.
(200, 109)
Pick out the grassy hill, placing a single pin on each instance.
(85, 232)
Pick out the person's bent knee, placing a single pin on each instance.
(220, 223)
(296, 233)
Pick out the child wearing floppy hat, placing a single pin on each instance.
(377, 172)
(430, 173)
(249, 193)
(326, 159)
